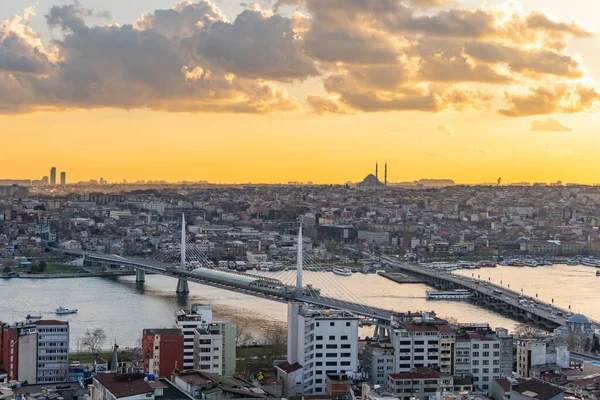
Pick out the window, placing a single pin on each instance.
(345, 363)
(319, 372)
(486, 353)
(345, 346)
(319, 363)
(486, 370)
(331, 346)
(486, 346)
(331, 363)
(344, 337)
(496, 345)
(496, 362)
(318, 355)
(475, 354)
(419, 342)
(347, 323)
(475, 346)
(431, 358)
(485, 387)
(496, 370)
(496, 354)
(486, 362)
(319, 346)
(419, 357)
(475, 370)
(331, 355)
(419, 350)
(216, 349)
(331, 337)
(475, 362)
(344, 355)
(318, 380)
(405, 343)
(215, 357)
(319, 338)
(332, 324)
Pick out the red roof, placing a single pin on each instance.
(124, 385)
(50, 322)
(420, 327)
(504, 383)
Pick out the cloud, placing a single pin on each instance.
(371, 56)
(446, 130)
(549, 125)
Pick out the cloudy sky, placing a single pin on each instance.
(307, 90)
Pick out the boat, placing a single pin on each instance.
(487, 264)
(530, 263)
(597, 273)
(65, 311)
(9, 275)
(457, 294)
(572, 262)
(342, 271)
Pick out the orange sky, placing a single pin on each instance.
(470, 143)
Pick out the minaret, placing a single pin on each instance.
(385, 174)
(377, 170)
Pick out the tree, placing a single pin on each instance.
(94, 340)
(276, 339)
(524, 331)
(242, 336)
(7, 270)
(42, 266)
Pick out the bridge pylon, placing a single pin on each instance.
(140, 275)
(299, 263)
(182, 284)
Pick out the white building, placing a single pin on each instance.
(479, 354)
(208, 345)
(378, 362)
(255, 258)
(323, 342)
(534, 353)
(188, 321)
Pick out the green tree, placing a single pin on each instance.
(7, 270)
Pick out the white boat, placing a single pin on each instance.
(342, 271)
(449, 295)
(65, 311)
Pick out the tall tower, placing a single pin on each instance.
(377, 170)
(63, 178)
(53, 176)
(385, 174)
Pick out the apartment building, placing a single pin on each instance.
(480, 354)
(215, 348)
(423, 383)
(53, 351)
(162, 351)
(424, 343)
(188, 321)
(323, 342)
(378, 361)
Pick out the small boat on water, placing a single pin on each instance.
(65, 311)
(342, 271)
(597, 273)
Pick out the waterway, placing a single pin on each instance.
(123, 308)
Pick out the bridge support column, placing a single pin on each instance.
(140, 275)
(182, 286)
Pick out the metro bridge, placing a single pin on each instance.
(254, 285)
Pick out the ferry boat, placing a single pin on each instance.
(64, 311)
(530, 263)
(342, 271)
(457, 294)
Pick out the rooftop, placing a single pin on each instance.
(420, 373)
(537, 389)
(124, 385)
(289, 368)
(51, 322)
(172, 331)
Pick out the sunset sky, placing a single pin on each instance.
(304, 90)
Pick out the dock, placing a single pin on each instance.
(400, 278)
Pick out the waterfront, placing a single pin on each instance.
(123, 308)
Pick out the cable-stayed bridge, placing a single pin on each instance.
(188, 263)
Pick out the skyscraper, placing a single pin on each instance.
(63, 178)
(53, 176)
(385, 174)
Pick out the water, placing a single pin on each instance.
(123, 308)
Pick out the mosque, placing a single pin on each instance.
(372, 181)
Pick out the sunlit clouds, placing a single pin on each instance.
(369, 55)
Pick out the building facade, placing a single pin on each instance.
(535, 353)
(214, 348)
(323, 342)
(162, 351)
(188, 322)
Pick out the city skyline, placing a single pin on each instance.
(440, 90)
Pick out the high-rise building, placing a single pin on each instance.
(323, 342)
(53, 176)
(52, 351)
(537, 353)
(200, 332)
(63, 178)
(162, 351)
